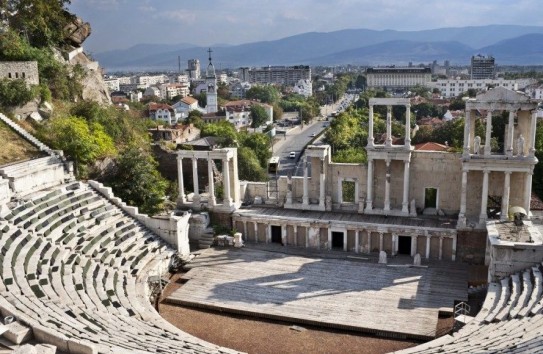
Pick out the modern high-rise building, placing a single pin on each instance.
(282, 75)
(482, 67)
(194, 69)
(398, 78)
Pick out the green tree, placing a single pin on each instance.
(15, 93)
(259, 116)
(259, 143)
(223, 129)
(81, 141)
(249, 167)
(138, 182)
(277, 112)
(267, 94)
(41, 21)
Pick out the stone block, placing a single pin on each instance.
(17, 333)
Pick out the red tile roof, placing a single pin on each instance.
(431, 146)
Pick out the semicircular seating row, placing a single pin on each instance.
(74, 268)
(510, 320)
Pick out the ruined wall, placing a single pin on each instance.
(24, 70)
(435, 170)
(346, 171)
(471, 246)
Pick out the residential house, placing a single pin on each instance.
(163, 112)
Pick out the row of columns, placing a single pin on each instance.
(388, 139)
(510, 134)
(405, 196)
(196, 199)
(395, 238)
(322, 184)
(484, 195)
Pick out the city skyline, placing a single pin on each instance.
(119, 24)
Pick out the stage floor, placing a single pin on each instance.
(361, 295)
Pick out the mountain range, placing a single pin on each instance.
(509, 44)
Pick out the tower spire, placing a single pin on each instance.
(209, 51)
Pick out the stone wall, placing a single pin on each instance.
(24, 70)
(5, 194)
(173, 229)
(471, 246)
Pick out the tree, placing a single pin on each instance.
(42, 22)
(15, 93)
(81, 141)
(267, 94)
(222, 91)
(138, 182)
(223, 129)
(259, 116)
(277, 112)
(249, 167)
(259, 143)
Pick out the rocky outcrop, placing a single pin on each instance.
(77, 31)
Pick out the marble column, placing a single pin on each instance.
(245, 231)
(284, 238)
(405, 201)
(387, 186)
(407, 141)
(369, 240)
(388, 141)
(440, 247)
(428, 247)
(394, 244)
(505, 197)
(510, 134)
(381, 241)
(268, 233)
(488, 136)
(527, 191)
(196, 198)
(256, 231)
(533, 127)
(484, 198)
(356, 192)
(211, 182)
(463, 197)
(467, 133)
(370, 127)
(369, 197)
(322, 185)
(414, 245)
(453, 248)
(180, 180)
(305, 199)
(357, 241)
(295, 231)
(345, 234)
(226, 181)
(340, 190)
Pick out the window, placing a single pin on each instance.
(347, 191)
(430, 198)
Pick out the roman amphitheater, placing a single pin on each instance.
(78, 266)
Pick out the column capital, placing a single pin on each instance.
(508, 172)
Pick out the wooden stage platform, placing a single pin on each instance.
(394, 300)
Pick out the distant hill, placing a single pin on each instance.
(356, 46)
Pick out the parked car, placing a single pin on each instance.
(292, 155)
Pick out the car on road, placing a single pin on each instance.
(292, 155)
(313, 135)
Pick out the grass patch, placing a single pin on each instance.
(14, 147)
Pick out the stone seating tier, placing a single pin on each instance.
(86, 262)
(509, 321)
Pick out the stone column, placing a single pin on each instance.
(484, 198)
(196, 198)
(510, 134)
(369, 240)
(356, 192)
(407, 141)
(381, 241)
(305, 199)
(284, 238)
(467, 133)
(357, 241)
(453, 248)
(329, 242)
(295, 231)
(180, 180)
(340, 190)
(268, 233)
(322, 185)
(405, 201)
(394, 244)
(533, 127)
(370, 127)
(369, 197)
(440, 247)
(413, 245)
(345, 234)
(245, 236)
(211, 182)
(527, 192)
(428, 247)
(387, 187)
(388, 141)
(488, 132)
(463, 197)
(505, 198)
(226, 181)
(256, 232)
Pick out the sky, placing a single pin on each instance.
(120, 24)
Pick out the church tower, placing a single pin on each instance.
(211, 81)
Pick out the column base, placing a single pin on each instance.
(305, 201)
(369, 206)
(405, 207)
(461, 223)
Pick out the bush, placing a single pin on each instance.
(14, 93)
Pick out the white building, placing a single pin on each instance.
(163, 112)
(112, 84)
(185, 105)
(452, 88)
(153, 91)
(398, 78)
(169, 91)
(304, 88)
(239, 112)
